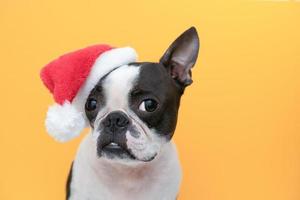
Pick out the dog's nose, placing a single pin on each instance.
(116, 122)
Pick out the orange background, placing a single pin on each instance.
(239, 131)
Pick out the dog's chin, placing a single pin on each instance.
(115, 152)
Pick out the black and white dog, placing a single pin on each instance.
(132, 113)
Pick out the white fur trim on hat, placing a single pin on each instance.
(65, 122)
(105, 63)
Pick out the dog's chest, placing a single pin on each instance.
(117, 190)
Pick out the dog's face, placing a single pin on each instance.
(133, 109)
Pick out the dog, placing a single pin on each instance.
(132, 112)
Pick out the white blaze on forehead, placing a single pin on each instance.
(117, 86)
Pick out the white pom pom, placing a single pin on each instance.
(64, 122)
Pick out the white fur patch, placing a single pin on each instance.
(117, 86)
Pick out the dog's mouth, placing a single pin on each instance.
(114, 150)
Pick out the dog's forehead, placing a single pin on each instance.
(121, 78)
(146, 76)
(117, 85)
(154, 78)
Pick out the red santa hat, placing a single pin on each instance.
(70, 78)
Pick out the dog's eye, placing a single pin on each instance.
(91, 104)
(148, 105)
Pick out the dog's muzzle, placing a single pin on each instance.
(112, 140)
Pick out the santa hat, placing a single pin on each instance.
(70, 78)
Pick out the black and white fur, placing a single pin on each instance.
(133, 113)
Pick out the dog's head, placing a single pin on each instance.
(133, 109)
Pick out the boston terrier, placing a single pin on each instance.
(132, 112)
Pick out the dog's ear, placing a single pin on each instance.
(181, 56)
